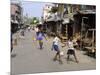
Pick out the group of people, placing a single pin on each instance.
(70, 49)
(16, 36)
(55, 45)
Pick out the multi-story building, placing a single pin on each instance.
(46, 12)
(49, 18)
(16, 16)
(71, 14)
(74, 13)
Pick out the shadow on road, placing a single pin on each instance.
(70, 60)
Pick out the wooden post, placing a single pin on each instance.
(93, 41)
(93, 30)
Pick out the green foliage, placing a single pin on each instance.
(35, 20)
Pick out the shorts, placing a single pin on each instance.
(40, 41)
(71, 52)
(38, 38)
(56, 48)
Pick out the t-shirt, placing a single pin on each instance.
(70, 45)
(56, 41)
(40, 36)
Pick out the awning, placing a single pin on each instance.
(54, 18)
(66, 20)
(51, 19)
(85, 12)
(88, 12)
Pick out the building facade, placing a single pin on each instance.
(16, 16)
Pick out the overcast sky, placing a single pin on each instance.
(33, 9)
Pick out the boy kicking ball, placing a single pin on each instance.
(55, 47)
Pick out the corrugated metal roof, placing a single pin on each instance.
(88, 12)
(54, 18)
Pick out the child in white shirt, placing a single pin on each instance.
(55, 46)
(71, 50)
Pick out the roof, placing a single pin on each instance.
(88, 12)
(16, 22)
(54, 18)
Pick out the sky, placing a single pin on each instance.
(33, 9)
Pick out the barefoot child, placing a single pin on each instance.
(40, 37)
(55, 46)
(71, 50)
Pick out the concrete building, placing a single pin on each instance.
(46, 12)
(74, 14)
(16, 16)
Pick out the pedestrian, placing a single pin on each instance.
(55, 47)
(71, 49)
(36, 30)
(22, 33)
(29, 28)
(78, 42)
(15, 38)
(11, 42)
(40, 37)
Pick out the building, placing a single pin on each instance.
(73, 15)
(48, 18)
(16, 16)
(46, 12)
(89, 12)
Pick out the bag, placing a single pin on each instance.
(62, 53)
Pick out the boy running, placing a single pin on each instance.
(55, 46)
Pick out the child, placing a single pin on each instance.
(71, 50)
(11, 42)
(56, 48)
(40, 37)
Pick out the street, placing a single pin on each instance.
(27, 58)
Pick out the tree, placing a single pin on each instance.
(35, 20)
